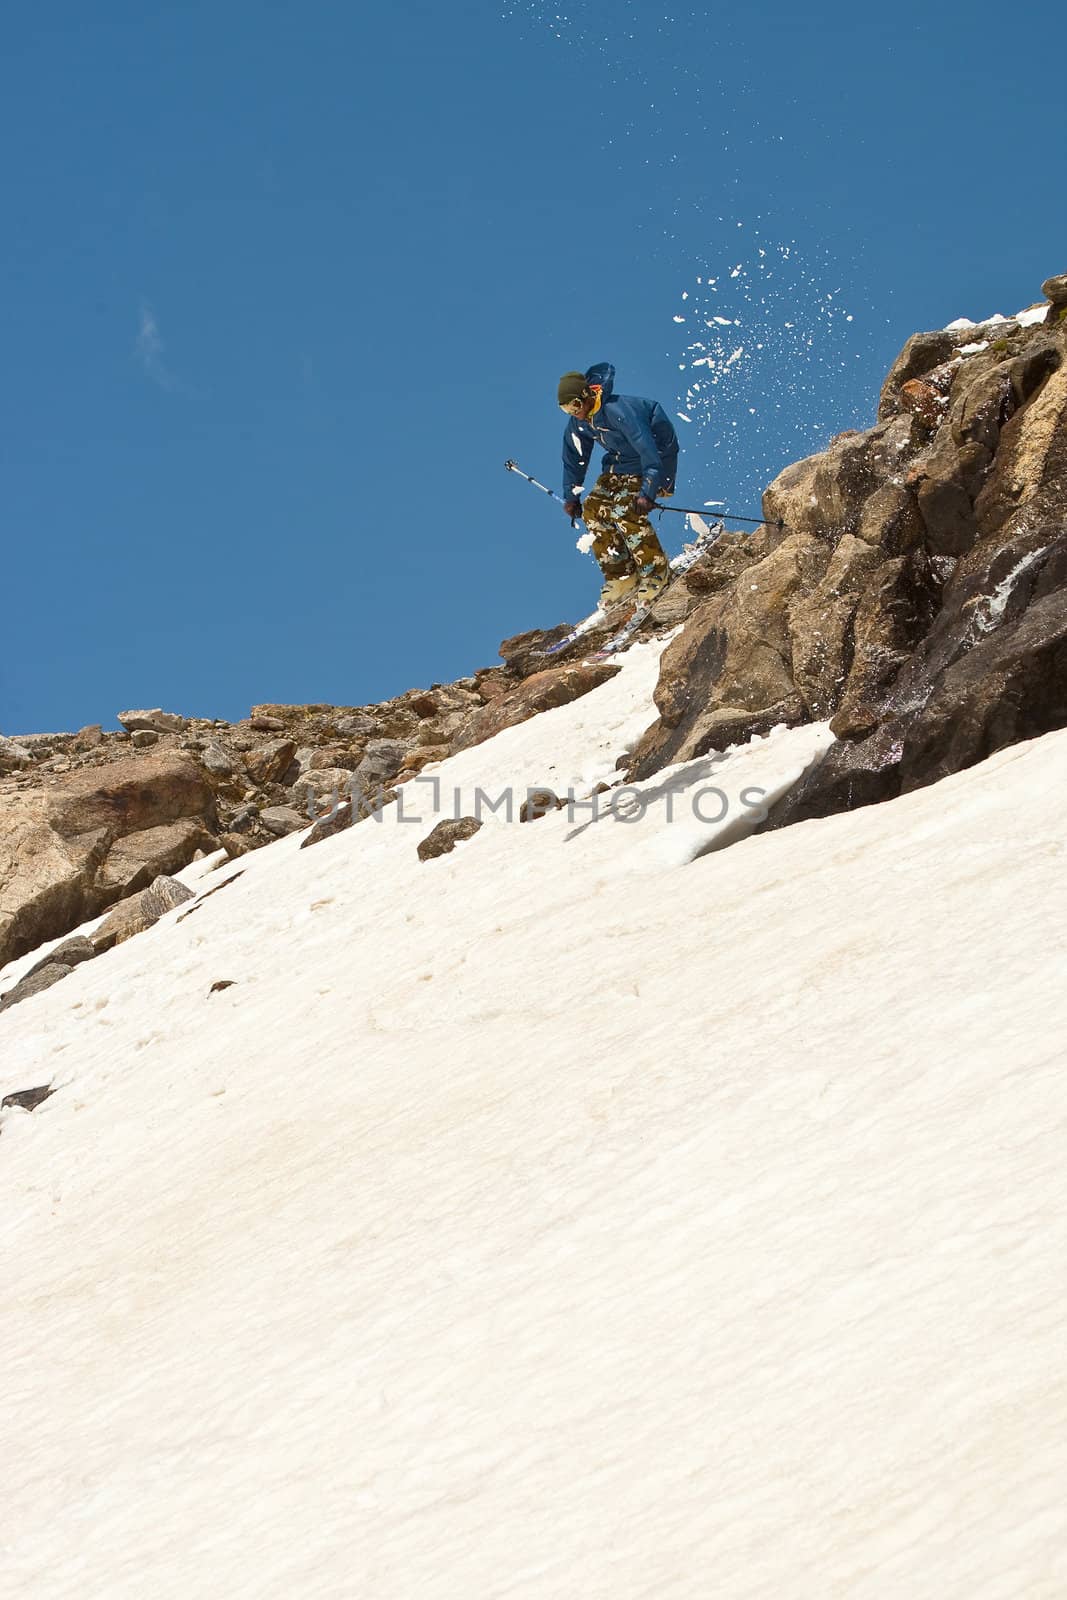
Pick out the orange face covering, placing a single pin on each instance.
(597, 397)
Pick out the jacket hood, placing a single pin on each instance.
(604, 374)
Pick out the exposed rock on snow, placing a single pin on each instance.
(139, 912)
(442, 839)
(43, 977)
(27, 1099)
(538, 803)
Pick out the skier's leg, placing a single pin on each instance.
(642, 542)
(609, 546)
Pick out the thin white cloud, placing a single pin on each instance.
(149, 349)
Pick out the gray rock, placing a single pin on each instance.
(1055, 289)
(157, 720)
(13, 755)
(70, 953)
(322, 786)
(27, 1099)
(357, 726)
(281, 820)
(41, 979)
(244, 820)
(382, 760)
(143, 737)
(447, 834)
(219, 761)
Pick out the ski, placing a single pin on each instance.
(691, 554)
(689, 557)
(585, 626)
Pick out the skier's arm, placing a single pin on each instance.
(630, 421)
(578, 442)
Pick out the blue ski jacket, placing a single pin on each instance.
(637, 436)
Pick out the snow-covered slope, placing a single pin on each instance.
(585, 1213)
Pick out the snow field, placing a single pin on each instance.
(578, 1214)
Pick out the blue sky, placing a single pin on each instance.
(284, 286)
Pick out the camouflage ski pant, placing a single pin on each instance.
(623, 540)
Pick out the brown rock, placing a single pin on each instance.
(891, 520)
(820, 625)
(139, 912)
(339, 818)
(824, 494)
(156, 721)
(67, 851)
(447, 834)
(729, 673)
(1027, 485)
(922, 398)
(538, 803)
(542, 692)
(1055, 290)
(894, 611)
(991, 668)
(921, 355)
(134, 861)
(423, 756)
(270, 761)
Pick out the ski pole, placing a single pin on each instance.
(685, 511)
(512, 466)
(734, 516)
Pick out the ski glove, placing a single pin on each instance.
(643, 505)
(573, 508)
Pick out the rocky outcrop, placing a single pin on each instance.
(906, 585)
(914, 591)
(70, 850)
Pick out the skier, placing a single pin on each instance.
(639, 465)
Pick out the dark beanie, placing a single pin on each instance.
(572, 386)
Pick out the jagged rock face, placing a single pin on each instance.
(729, 673)
(991, 670)
(69, 851)
(912, 592)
